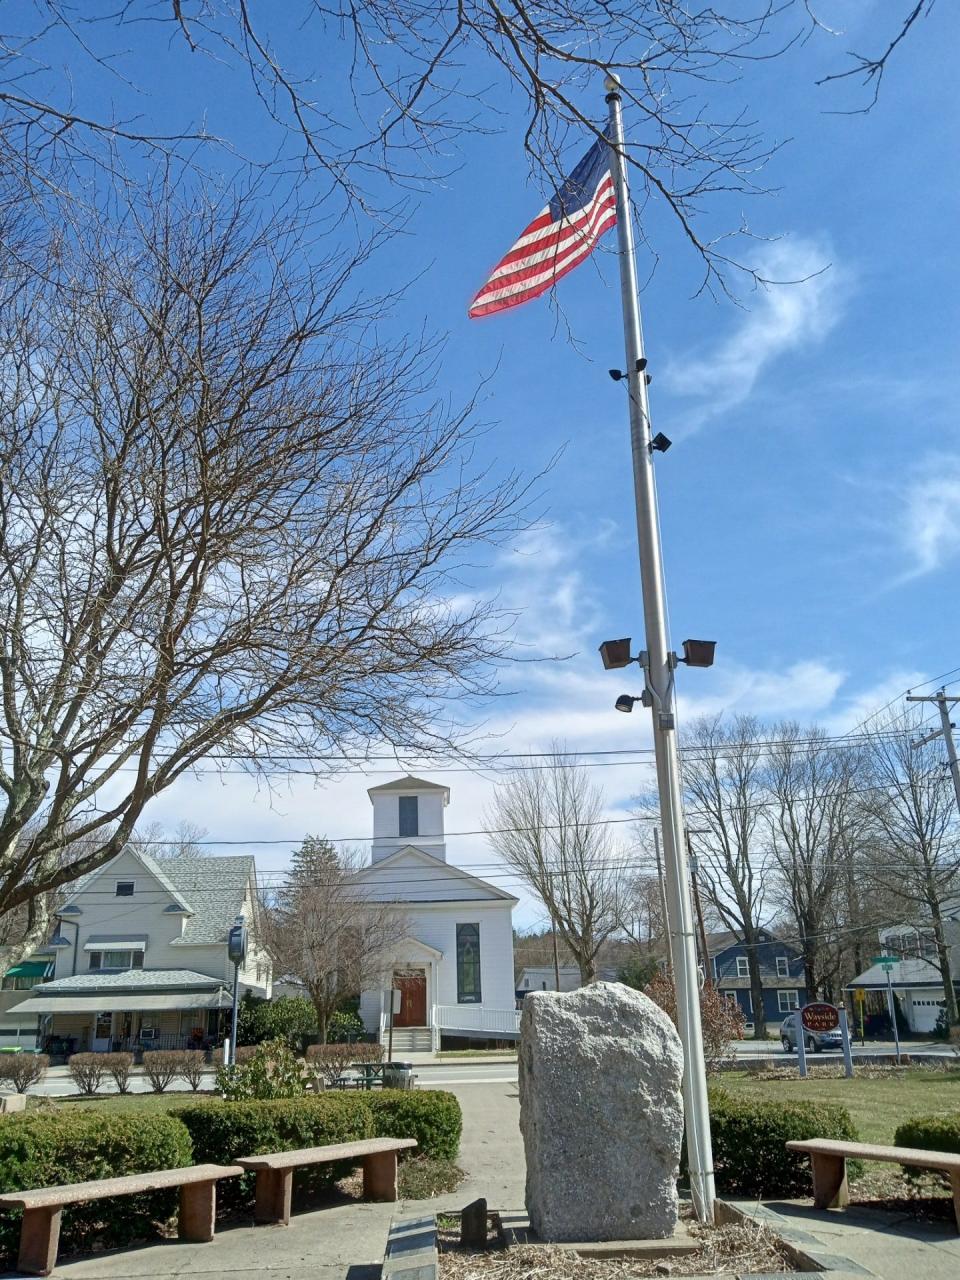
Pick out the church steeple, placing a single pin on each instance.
(408, 811)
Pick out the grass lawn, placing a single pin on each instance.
(127, 1101)
(877, 1102)
(476, 1053)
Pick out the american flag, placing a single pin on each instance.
(557, 240)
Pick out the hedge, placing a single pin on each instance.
(44, 1149)
(929, 1133)
(223, 1131)
(431, 1116)
(750, 1157)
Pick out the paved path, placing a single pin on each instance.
(889, 1246)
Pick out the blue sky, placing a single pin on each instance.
(811, 501)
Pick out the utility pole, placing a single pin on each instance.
(556, 953)
(704, 949)
(945, 703)
(659, 664)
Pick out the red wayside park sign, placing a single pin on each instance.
(819, 1017)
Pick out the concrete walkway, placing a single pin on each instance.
(864, 1241)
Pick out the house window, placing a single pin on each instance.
(125, 888)
(116, 960)
(526, 982)
(743, 967)
(788, 1000)
(409, 816)
(783, 967)
(468, 964)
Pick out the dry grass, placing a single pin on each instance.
(740, 1247)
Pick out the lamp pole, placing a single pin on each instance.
(659, 664)
(237, 952)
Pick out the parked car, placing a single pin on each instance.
(813, 1041)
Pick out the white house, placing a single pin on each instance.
(455, 967)
(915, 977)
(543, 977)
(141, 955)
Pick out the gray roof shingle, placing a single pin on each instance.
(214, 889)
(129, 980)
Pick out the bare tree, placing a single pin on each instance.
(915, 838)
(547, 826)
(231, 529)
(326, 931)
(185, 841)
(402, 83)
(815, 817)
(725, 787)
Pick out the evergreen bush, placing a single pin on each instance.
(750, 1157)
(929, 1133)
(50, 1148)
(431, 1116)
(224, 1131)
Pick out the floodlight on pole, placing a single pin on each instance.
(659, 671)
(698, 653)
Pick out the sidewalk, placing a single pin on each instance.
(889, 1246)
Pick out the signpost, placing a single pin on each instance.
(236, 953)
(887, 963)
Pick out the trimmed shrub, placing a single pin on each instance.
(749, 1143)
(272, 1071)
(119, 1067)
(87, 1071)
(23, 1069)
(929, 1133)
(48, 1148)
(161, 1067)
(345, 1024)
(431, 1116)
(331, 1060)
(224, 1131)
(193, 1063)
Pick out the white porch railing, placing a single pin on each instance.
(476, 1017)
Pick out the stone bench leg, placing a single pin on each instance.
(380, 1176)
(829, 1182)
(198, 1211)
(39, 1240)
(274, 1192)
(955, 1188)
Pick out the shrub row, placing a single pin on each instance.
(160, 1066)
(750, 1157)
(41, 1149)
(48, 1148)
(23, 1069)
(331, 1060)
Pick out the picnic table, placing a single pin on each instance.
(371, 1073)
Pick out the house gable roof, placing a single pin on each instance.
(718, 943)
(149, 864)
(442, 870)
(209, 891)
(408, 783)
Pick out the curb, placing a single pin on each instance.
(804, 1249)
(411, 1252)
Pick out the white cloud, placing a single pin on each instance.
(929, 526)
(798, 310)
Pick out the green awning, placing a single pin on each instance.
(29, 969)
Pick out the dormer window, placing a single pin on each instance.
(125, 888)
(409, 816)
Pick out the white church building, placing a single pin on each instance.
(454, 969)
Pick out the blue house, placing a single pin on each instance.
(781, 974)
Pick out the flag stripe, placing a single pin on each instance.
(558, 239)
(515, 265)
(500, 300)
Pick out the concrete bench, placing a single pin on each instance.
(275, 1172)
(828, 1159)
(43, 1208)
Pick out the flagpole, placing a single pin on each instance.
(659, 664)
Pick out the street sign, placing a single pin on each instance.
(887, 961)
(859, 995)
(820, 1017)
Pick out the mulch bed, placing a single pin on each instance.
(732, 1248)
